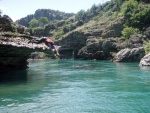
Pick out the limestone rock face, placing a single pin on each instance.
(71, 44)
(14, 52)
(136, 40)
(127, 54)
(97, 49)
(75, 40)
(145, 61)
(114, 29)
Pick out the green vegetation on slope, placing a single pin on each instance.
(115, 18)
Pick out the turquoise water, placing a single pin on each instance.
(68, 86)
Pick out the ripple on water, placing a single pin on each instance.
(67, 86)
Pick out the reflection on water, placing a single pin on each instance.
(68, 86)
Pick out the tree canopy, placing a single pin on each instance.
(43, 21)
(33, 23)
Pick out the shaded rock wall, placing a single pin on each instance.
(71, 44)
(15, 50)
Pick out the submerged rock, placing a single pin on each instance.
(145, 61)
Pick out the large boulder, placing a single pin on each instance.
(145, 61)
(131, 55)
(136, 40)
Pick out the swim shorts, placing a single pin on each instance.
(52, 46)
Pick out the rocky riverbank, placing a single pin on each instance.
(15, 49)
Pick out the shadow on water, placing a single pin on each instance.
(14, 76)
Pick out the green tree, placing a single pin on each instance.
(127, 31)
(38, 31)
(93, 9)
(128, 7)
(147, 47)
(43, 21)
(33, 23)
(65, 29)
(141, 18)
(79, 15)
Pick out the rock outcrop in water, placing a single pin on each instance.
(145, 61)
(126, 55)
(15, 50)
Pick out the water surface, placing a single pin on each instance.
(68, 86)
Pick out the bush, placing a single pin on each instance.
(38, 31)
(128, 7)
(8, 27)
(59, 35)
(147, 47)
(141, 18)
(127, 31)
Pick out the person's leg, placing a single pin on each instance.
(55, 49)
(37, 41)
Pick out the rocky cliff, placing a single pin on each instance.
(15, 51)
(14, 46)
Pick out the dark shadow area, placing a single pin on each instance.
(13, 76)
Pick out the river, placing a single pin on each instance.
(74, 86)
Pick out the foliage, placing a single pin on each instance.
(8, 27)
(33, 23)
(79, 15)
(65, 29)
(48, 28)
(59, 35)
(38, 31)
(72, 27)
(147, 47)
(141, 18)
(128, 7)
(43, 21)
(93, 9)
(68, 28)
(127, 31)
(145, 1)
(25, 21)
(48, 13)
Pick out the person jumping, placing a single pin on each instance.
(48, 42)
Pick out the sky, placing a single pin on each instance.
(17, 9)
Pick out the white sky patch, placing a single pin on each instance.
(17, 9)
(14, 18)
(3, 8)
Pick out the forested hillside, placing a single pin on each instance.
(111, 19)
(47, 14)
(103, 30)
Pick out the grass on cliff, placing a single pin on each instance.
(147, 47)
